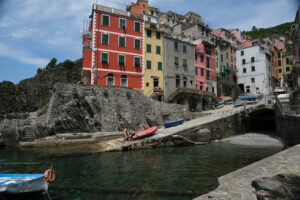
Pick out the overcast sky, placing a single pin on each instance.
(34, 31)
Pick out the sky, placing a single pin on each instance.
(34, 31)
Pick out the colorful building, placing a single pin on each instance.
(140, 7)
(154, 60)
(115, 55)
(205, 66)
(295, 37)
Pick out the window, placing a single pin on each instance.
(287, 69)
(155, 82)
(221, 57)
(144, 11)
(110, 80)
(279, 63)
(148, 48)
(121, 60)
(104, 39)
(202, 72)
(168, 20)
(176, 46)
(184, 81)
(157, 35)
(207, 62)
(105, 20)
(253, 68)
(147, 84)
(184, 61)
(148, 64)
(122, 23)
(157, 49)
(104, 58)
(202, 58)
(184, 49)
(137, 61)
(196, 56)
(244, 70)
(280, 70)
(157, 14)
(244, 61)
(173, 22)
(252, 80)
(196, 71)
(252, 59)
(121, 41)
(149, 33)
(279, 55)
(152, 13)
(248, 89)
(287, 61)
(88, 44)
(159, 66)
(176, 61)
(137, 26)
(123, 81)
(227, 55)
(144, 5)
(242, 53)
(231, 58)
(207, 75)
(177, 81)
(137, 44)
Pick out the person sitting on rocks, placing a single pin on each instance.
(125, 134)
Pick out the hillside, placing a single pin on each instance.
(34, 93)
(279, 30)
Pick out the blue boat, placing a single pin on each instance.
(23, 183)
(175, 123)
(238, 103)
(257, 96)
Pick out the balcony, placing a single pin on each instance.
(157, 89)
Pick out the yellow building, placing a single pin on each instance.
(285, 67)
(154, 62)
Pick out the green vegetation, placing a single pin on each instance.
(128, 95)
(53, 90)
(230, 88)
(261, 106)
(96, 103)
(75, 92)
(52, 63)
(105, 93)
(281, 30)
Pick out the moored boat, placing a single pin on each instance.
(238, 103)
(146, 133)
(25, 183)
(174, 123)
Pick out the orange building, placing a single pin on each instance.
(140, 7)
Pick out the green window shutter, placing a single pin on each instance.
(202, 58)
(244, 61)
(157, 49)
(202, 72)
(157, 35)
(122, 24)
(148, 48)
(137, 44)
(221, 57)
(159, 66)
(242, 53)
(244, 70)
(149, 33)
(252, 59)
(207, 62)
(121, 60)
(176, 46)
(105, 39)
(122, 41)
(253, 68)
(104, 58)
(148, 64)
(137, 62)
(105, 19)
(137, 26)
(280, 70)
(279, 63)
(184, 49)
(196, 71)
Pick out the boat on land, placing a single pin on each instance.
(25, 183)
(174, 123)
(238, 103)
(147, 133)
(250, 97)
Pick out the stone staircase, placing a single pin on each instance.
(29, 129)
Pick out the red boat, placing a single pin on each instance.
(146, 133)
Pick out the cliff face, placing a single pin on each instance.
(77, 108)
(34, 93)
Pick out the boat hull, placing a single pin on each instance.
(146, 133)
(175, 123)
(27, 185)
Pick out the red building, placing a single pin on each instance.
(206, 78)
(140, 7)
(113, 51)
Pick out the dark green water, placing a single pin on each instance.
(167, 173)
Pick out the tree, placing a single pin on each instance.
(254, 28)
(52, 63)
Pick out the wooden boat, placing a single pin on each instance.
(25, 183)
(175, 123)
(146, 133)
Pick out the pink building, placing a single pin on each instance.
(206, 78)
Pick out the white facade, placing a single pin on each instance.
(254, 70)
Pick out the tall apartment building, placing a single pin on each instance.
(113, 52)
(154, 59)
(179, 65)
(254, 69)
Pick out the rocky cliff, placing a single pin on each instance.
(78, 108)
(34, 93)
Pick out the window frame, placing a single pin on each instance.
(148, 63)
(252, 68)
(122, 78)
(136, 57)
(102, 34)
(244, 70)
(159, 64)
(184, 48)
(135, 44)
(107, 77)
(176, 46)
(158, 37)
(149, 35)
(252, 59)
(120, 23)
(158, 48)
(119, 59)
(124, 41)
(103, 20)
(102, 57)
(148, 45)
(140, 28)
